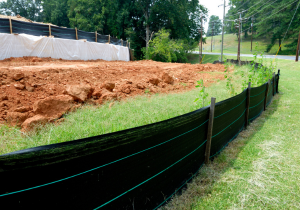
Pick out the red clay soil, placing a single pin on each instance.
(27, 81)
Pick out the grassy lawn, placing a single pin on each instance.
(261, 168)
(258, 170)
(231, 45)
(194, 58)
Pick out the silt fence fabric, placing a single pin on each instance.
(139, 168)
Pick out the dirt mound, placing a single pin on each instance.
(29, 80)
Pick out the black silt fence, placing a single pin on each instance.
(115, 41)
(21, 27)
(138, 168)
(257, 98)
(229, 120)
(37, 29)
(63, 33)
(102, 38)
(4, 26)
(89, 36)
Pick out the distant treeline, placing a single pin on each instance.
(271, 20)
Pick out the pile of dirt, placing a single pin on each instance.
(35, 90)
(20, 18)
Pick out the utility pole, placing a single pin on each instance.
(223, 33)
(251, 33)
(297, 53)
(212, 36)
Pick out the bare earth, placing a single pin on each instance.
(26, 81)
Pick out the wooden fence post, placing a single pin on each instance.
(95, 36)
(209, 130)
(274, 84)
(266, 95)
(49, 30)
(122, 42)
(129, 45)
(247, 105)
(10, 25)
(278, 81)
(76, 34)
(108, 38)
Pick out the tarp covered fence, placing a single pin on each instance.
(28, 45)
(138, 168)
(37, 29)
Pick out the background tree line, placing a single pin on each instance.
(136, 20)
(271, 20)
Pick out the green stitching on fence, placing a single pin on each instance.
(258, 94)
(102, 165)
(179, 188)
(231, 109)
(228, 142)
(230, 124)
(150, 177)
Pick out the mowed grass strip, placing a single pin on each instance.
(92, 121)
(261, 168)
(231, 45)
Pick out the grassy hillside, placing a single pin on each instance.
(231, 45)
(261, 168)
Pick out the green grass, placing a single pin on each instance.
(231, 45)
(91, 121)
(194, 58)
(261, 168)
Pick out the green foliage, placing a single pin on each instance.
(164, 49)
(214, 26)
(26, 8)
(271, 20)
(56, 12)
(201, 99)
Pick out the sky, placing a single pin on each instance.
(213, 9)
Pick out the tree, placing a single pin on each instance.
(56, 12)
(272, 19)
(30, 9)
(214, 26)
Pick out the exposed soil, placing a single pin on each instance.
(25, 81)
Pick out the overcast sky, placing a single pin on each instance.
(213, 9)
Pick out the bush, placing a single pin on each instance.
(164, 49)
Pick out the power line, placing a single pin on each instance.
(251, 14)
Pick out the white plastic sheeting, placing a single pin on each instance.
(27, 45)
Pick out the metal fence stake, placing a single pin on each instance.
(247, 105)
(266, 95)
(209, 130)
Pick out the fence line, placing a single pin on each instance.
(141, 167)
(7, 25)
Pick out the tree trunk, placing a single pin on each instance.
(147, 39)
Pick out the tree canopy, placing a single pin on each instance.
(271, 19)
(214, 26)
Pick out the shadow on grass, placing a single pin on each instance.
(202, 184)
